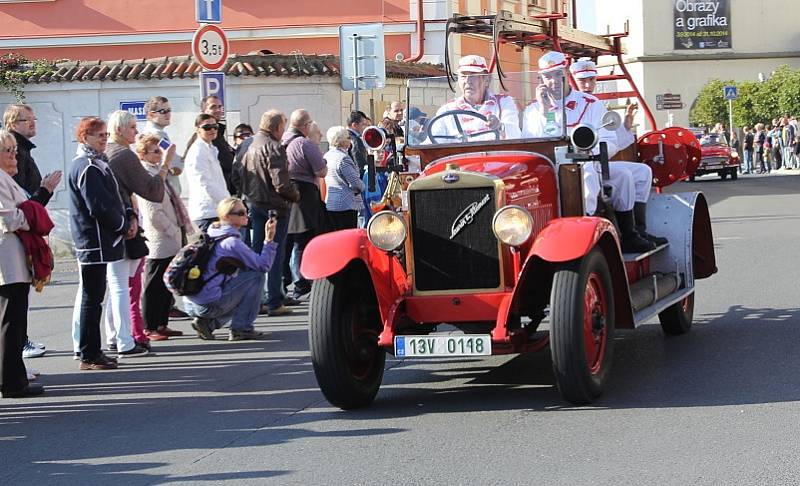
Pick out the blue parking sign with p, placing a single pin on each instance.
(731, 93)
(212, 83)
(209, 11)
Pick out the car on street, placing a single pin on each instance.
(718, 157)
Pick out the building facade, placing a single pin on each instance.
(761, 35)
(109, 29)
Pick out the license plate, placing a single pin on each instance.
(466, 345)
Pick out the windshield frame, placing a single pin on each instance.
(563, 136)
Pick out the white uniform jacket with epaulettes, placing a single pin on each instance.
(500, 105)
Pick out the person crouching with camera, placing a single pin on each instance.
(234, 276)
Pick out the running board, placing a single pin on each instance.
(647, 313)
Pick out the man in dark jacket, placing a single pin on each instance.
(211, 105)
(356, 123)
(20, 120)
(266, 185)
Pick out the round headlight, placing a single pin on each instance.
(386, 230)
(734, 154)
(512, 225)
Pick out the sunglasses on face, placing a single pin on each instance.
(156, 150)
(209, 127)
(238, 213)
(162, 111)
(243, 135)
(9, 150)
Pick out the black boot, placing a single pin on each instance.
(640, 216)
(631, 241)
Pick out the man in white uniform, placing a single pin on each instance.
(584, 71)
(500, 110)
(555, 100)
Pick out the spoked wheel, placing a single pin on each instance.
(582, 327)
(344, 324)
(677, 318)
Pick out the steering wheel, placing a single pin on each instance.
(462, 135)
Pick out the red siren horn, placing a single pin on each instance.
(374, 137)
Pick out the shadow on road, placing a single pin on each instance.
(727, 359)
(197, 398)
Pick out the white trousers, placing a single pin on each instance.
(642, 176)
(117, 308)
(620, 181)
(630, 183)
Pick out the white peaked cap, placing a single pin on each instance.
(472, 64)
(583, 68)
(552, 61)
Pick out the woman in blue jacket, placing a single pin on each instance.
(234, 276)
(99, 223)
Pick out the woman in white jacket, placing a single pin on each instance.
(204, 174)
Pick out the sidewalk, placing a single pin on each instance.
(49, 322)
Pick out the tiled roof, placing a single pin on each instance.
(242, 65)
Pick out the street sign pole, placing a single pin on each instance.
(730, 117)
(355, 70)
(366, 67)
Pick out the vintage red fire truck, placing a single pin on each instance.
(490, 241)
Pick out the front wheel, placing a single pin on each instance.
(582, 327)
(723, 175)
(734, 173)
(344, 325)
(677, 318)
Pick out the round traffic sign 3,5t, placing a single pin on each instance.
(210, 47)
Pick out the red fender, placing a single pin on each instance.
(329, 253)
(566, 239)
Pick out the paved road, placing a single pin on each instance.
(716, 406)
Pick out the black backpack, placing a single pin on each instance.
(183, 275)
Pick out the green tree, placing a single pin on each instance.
(785, 81)
(744, 108)
(710, 106)
(757, 102)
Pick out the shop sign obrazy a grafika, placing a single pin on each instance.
(702, 25)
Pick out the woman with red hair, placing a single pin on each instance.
(99, 222)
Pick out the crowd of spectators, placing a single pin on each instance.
(767, 147)
(262, 199)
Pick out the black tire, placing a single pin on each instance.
(677, 318)
(723, 175)
(691, 178)
(344, 324)
(734, 174)
(580, 377)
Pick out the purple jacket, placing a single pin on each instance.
(231, 247)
